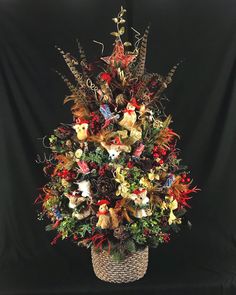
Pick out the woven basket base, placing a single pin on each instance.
(131, 269)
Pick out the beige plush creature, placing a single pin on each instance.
(129, 117)
(81, 128)
(141, 200)
(75, 199)
(104, 220)
(115, 149)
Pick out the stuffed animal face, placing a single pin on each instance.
(130, 107)
(140, 198)
(114, 152)
(103, 208)
(74, 199)
(81, 131)
(115, 149)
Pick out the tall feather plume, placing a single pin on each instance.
(83, 59)
(69, 85)
(168, 78)
(71, 62)
(82, 54)
(142, 54)
(165, 81)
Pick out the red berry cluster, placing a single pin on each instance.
(130, 164)
(66, 174)
(103, 169)
(184, 178)
(146, 231)
(93, 165)
(95, 123)
(159, 153)
(165, 237)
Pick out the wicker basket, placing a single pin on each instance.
(131, 269)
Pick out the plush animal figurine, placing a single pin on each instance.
(75, 199)
(104, 220)
(115, 149)
(81, 128)
(141, 200)
(130, 116)
(84, 187)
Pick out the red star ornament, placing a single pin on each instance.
(119, 57)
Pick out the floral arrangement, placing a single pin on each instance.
(115, 179)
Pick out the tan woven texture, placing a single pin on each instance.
(131, 269)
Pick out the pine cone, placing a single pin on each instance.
(120, 233)
(106, 186)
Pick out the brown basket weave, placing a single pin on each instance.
(131, 269)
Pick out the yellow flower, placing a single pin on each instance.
(153, 176)
(145, 182)
(78, 153)
(123, 188)
(172, 205)
(65, 183)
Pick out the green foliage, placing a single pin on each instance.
(117, 254)
(84, 229)
(98, 156)
(129, 246)
(67, 226)
(56, 145)
(145, 229)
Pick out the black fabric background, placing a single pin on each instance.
(203, 105)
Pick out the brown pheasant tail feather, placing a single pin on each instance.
(171, 73)
(69, 85)
(71, 62)
(83, 58)
(142, 54)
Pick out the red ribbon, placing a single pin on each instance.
(102, 213)
(128, 111)
(98, 241)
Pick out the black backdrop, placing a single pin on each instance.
(203, 104)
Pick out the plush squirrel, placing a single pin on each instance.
(103, 215)
(107, 218)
